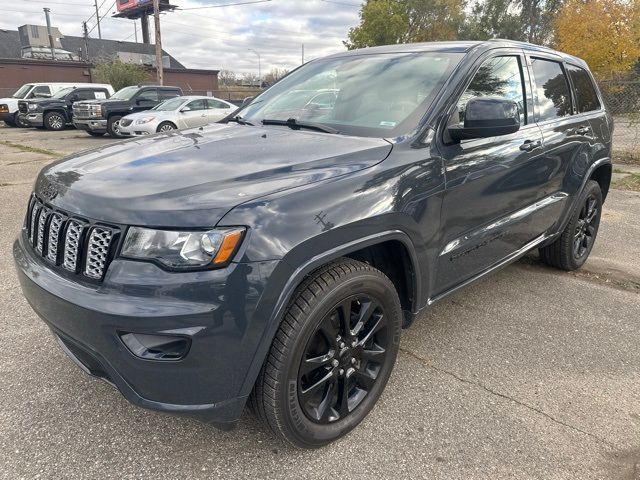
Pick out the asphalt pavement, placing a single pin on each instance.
(529, 373)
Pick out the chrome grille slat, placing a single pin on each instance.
(42, 223)
(97, 252)
(72, 245)
(54, 235)
(77, 245)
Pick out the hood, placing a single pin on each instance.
(191, 178)
(42, 101)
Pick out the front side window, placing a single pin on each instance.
(165, 94)
(376, 95)
(552, 89)
(586, 96)
(125, 94)
(497, 77)
(148, 95)
(197, 105)
(40, 91)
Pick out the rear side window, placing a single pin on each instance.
(586, 96)
(216, 104)
(554, 99)
(86, 95)
(497, 77)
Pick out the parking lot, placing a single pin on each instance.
(530, 373)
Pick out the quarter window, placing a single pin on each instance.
(586, 96)
(497, 77)
(552, 89)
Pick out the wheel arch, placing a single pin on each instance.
(602, 175)
(61, 111)
(163, 122)
(382, 249)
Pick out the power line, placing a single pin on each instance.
(102, 17)
(223, 5)
(94, 13)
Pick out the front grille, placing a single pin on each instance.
(125, 122)
(77, 245)
(85, 110)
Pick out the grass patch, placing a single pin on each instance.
(632, 182)
(27, 148)
(627, 157)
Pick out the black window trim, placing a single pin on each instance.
(525, 78)
(574, 90)
(549, 58)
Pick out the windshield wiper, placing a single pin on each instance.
(238, 119)
(297, 125)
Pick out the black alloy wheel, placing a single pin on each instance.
(585, 231)
(343, 358)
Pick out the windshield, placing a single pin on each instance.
(381, 95)
(125, 94)
(22, 91)
(169, 105)
(63, 93)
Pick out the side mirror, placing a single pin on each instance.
(185, 109)
(487, 117)
(42, 95)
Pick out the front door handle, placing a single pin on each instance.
(529, 145)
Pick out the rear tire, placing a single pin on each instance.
(327, 367)
(113, 126)
(54, 121)
(572, 248)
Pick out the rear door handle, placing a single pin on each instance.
(583, 130)
(529, 145)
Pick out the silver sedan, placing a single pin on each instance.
(179, 112)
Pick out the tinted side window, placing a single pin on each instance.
(85, 95)
(216, 104)
(197, 105)
(40, 90)
(166, 94)
(554, 99)
(151, 95)
(586, 96)
(497, 77)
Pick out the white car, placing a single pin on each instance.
(179, 112)
(9, 106)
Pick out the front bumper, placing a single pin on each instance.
(6, 117)
(134, 130)
(33, 119)
(91, 125)
(216, 309)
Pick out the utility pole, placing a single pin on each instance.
(259, 67)
(51, 44)
(95, 2)
(144, 23)
(159, 65)
(85, 34)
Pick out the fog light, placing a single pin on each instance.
(156, 347)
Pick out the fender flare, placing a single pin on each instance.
(302, 271)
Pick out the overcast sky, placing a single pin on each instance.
(215, 38)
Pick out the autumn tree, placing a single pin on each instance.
(605, 33)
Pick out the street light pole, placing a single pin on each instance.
(259, 67)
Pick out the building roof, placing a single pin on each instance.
(10, 47)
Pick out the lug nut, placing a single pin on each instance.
(353, 361)
(341, 372)
(342, 345)
(353, 344)
(335, 363)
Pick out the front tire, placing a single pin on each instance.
(332, 355)
(113, 126)
(18, 122)
(165, 127)
(572, 248)
(54, 121)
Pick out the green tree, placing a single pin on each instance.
(384, 22)
(120, 74)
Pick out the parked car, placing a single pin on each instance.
(179, 112)
(56, 113)
(9, 112)
(272, 261)
(98, 117)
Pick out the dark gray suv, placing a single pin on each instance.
(272, 259)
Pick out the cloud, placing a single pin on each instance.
(215, 38)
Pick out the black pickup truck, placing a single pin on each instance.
(98, 117)
(56, 113)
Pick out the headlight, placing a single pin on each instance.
(33, 106)
(182, 249)
(140, 121)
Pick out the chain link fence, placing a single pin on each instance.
(622, 99)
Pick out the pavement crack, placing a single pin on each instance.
(425, 362)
